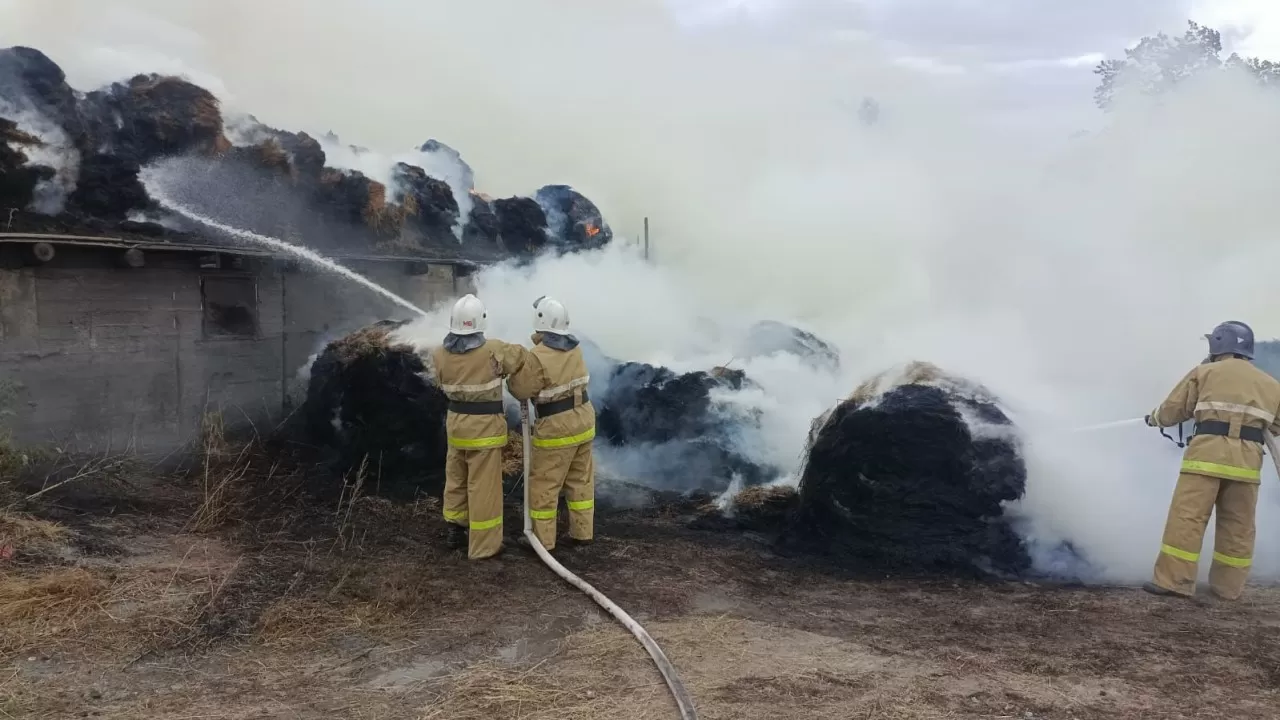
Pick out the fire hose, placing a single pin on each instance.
(683, 700)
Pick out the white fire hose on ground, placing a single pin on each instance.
(678, 691)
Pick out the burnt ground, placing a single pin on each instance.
(203, 598)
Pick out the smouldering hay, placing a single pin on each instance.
(373, 402)
(764, 507)
(911, 474)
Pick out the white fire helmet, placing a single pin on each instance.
(468, 317)
(549, 316)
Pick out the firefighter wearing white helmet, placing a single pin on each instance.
(1235, 406)
(469, 369)
(564, 429)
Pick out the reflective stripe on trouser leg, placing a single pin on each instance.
(484, 502)
(580, 493)
(547, 469)
(454, 501)
(1189, 513)
(1233, 538)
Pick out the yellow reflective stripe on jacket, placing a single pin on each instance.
(1230, 471)
(478, 443)
(581, 504)
(486, 524)
(1232, 561)
(563, 441)
(1180, 554)
(1237, 408)
(455, 515)
(550, 393)
(542, 514)
(481, 387)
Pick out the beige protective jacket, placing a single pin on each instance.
(560, 376)
(1230, 391)
(476, 377)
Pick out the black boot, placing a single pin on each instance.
(1155, 589)
(577, 544)
(457, 537)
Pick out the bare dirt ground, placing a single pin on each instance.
(192, 599)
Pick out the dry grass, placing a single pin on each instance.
(34, 607)
(224, 474)
(24, 536)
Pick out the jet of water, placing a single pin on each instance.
(149, 181)
(1109, 425)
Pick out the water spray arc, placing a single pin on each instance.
(683, 700)
(277, 244)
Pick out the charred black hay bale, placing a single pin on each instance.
(369, 399)
(897, 480)
(675, 433)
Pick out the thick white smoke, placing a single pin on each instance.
(1072, 277)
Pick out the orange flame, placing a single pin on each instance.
(592, 230)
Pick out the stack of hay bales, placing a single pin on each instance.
(273, 182)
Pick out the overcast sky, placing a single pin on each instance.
(1033, 59)
(1029, 61)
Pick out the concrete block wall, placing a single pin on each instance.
(94, 356)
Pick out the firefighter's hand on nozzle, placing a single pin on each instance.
(1149, 421)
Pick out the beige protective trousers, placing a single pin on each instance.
(573, 470)
(1194, 500)
(473, 498)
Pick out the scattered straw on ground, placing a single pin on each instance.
(25, 536)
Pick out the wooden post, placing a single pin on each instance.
(646, 238)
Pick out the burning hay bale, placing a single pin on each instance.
(152, 116)
(28, 78)
(573, 221)
(18, 179)
(768, 337)
(522, 225)
(428, 200)
(672, 422)
(371, 401)
(909, 474)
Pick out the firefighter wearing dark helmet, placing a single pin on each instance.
(1233, 404)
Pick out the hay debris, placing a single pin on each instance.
(22, 536)
(513, 454)
(59, 596)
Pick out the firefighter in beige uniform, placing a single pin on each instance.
(469, 369)
(1233, 404)
(564, 428)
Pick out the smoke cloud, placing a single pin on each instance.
(1072, 277)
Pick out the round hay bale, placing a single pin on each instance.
(371, 400)
(909, 474)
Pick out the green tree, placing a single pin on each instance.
(1159, 64)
